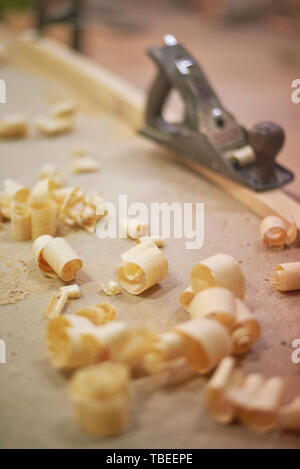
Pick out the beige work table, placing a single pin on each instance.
(35, 410)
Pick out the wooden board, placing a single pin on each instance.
(34, 407)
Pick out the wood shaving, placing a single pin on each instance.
(253, 400)
(84, 165)
(78, 209)
(134, 228)
(186, 298)
(52, 126)
(220, 270)
(20, 222)
(242, 156)
(13, 192)
(64, 109)
(287, 276)
(277, 233)
(50, 171)
(74, 341)
(59, 300)
(100, 396)
(142, 267)
(13, 126)
(111, 288)
(214, 303)
(258, 401)
(246, 329)
(202, 342)
(98, 314)
(55, 258)
(43, 217)
(174, 373)
(215, 393)
(289, 416)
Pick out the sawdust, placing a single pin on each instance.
(16, 282)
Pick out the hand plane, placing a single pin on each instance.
(208, 134)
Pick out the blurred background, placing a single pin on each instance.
(250, 49)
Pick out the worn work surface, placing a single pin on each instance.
(34, 406)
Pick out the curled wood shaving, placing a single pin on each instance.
(139, 342)
(219, 304)
(13, 126)
(170, 345)
(111, 288)
(134, 228)
(258, 401)
(289, 416)
(66, 198)
(48, 202)
(246, 329)
(242, 156)
(78, 209)
(208, 343)
(215, 393)
(100, 396)
(13, 193)
(277, 233)
(93, 209)
(97, 202)
(43, 217)
(5, 209)
(220, 270)
(92, 335)
(142, 267)
(98, 314)
(59, 299)
(202, 342)
(20, 222)
(287, 276)
(172, 373)
(186, 298)
(43, 191)
(214, 303)
(55, 258)
(253, 400)
(73, 342)
(56, 305)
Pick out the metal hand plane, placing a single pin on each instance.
(208, 134)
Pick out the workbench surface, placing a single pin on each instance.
(35, 410)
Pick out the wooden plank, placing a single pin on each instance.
(116, 96)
